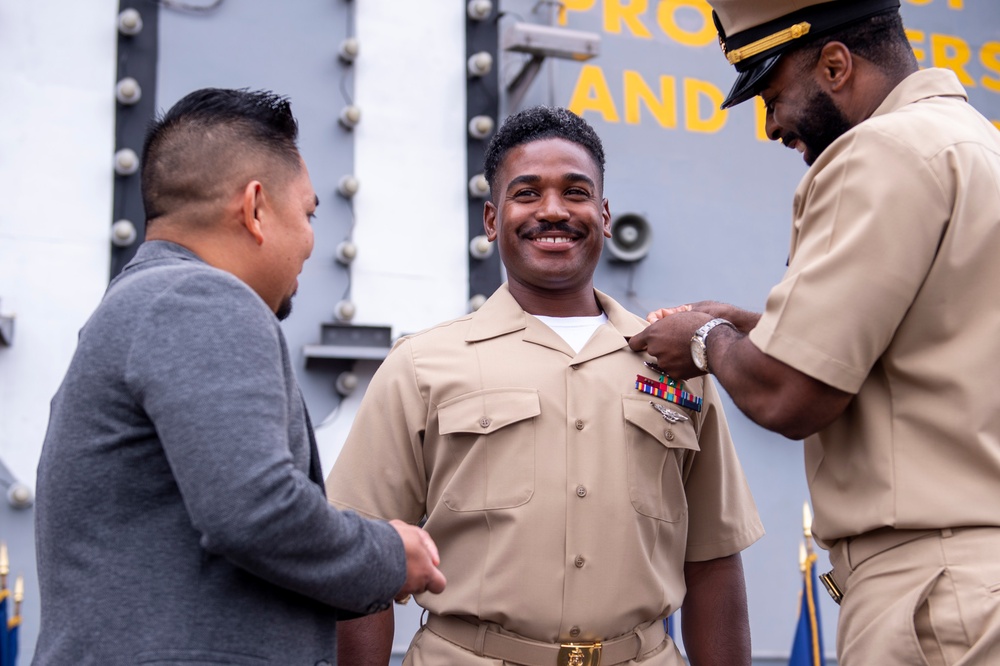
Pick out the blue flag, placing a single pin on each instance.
(13, 628)
(4, 640)
(807, 648)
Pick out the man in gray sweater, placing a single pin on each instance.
(181, 516)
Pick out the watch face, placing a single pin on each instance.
(698, 354)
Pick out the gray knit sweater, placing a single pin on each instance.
(176, 521)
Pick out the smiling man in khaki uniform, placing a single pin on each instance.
(881, 345)
(568, 506)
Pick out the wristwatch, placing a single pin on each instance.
(699, 349)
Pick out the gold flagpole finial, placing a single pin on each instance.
(18, 594)
(4, 565)
(807, 521)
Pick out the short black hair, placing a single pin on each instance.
(534, 124)
(199, 129)
(880, 39)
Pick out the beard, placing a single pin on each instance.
(284, 308)
(821, 124)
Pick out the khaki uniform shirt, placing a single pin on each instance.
(563, 504)
(891, 293)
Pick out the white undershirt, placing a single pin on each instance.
(574, 330)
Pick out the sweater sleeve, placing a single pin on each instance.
(208, 367)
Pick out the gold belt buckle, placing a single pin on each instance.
(831, 586)
(580, 654)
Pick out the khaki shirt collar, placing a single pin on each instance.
(501, 315)
(933, 82)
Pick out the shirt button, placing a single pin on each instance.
(579, 561)
(485, 422)
(669, 434)
(579, 424)
(581, 491)
(574, 632)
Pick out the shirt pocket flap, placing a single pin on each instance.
(486, 411)
(639, 411)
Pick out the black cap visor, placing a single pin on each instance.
(749, 82)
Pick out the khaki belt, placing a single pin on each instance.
(483, 639)
(848, 553)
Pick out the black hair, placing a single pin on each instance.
(534, 124)
(192, 134)
(880, 39)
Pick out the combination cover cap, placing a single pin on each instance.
(755, 33)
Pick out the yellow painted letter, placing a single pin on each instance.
(990, 57)
(917, 37)
(694, 91)
(760, 118)
(953, 53)
(663, 109)
(616, 13)
(666, 14)
(592, 94)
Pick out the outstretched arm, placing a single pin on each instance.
(367, 641)
(716, 624)
(773, 394)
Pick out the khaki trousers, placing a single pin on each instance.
(931, 601)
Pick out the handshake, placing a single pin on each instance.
(422, 560)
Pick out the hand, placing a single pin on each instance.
(657, 315)
(422, 560)
(743, 320)
(669, 340)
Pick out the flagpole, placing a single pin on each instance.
(809, 581)
(18, 595)
(807, 521)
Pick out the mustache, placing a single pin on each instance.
(547, 227)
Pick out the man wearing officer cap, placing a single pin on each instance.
(880, 345)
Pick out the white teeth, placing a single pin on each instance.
(559, 239)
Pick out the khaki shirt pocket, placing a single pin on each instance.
(493, 433)
(656, 449)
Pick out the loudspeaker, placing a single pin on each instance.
(631, 237)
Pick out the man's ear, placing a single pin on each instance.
(835, 66)
(253, 202)
(490, 220)
(606, 216)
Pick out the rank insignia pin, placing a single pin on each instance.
(655, 368)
